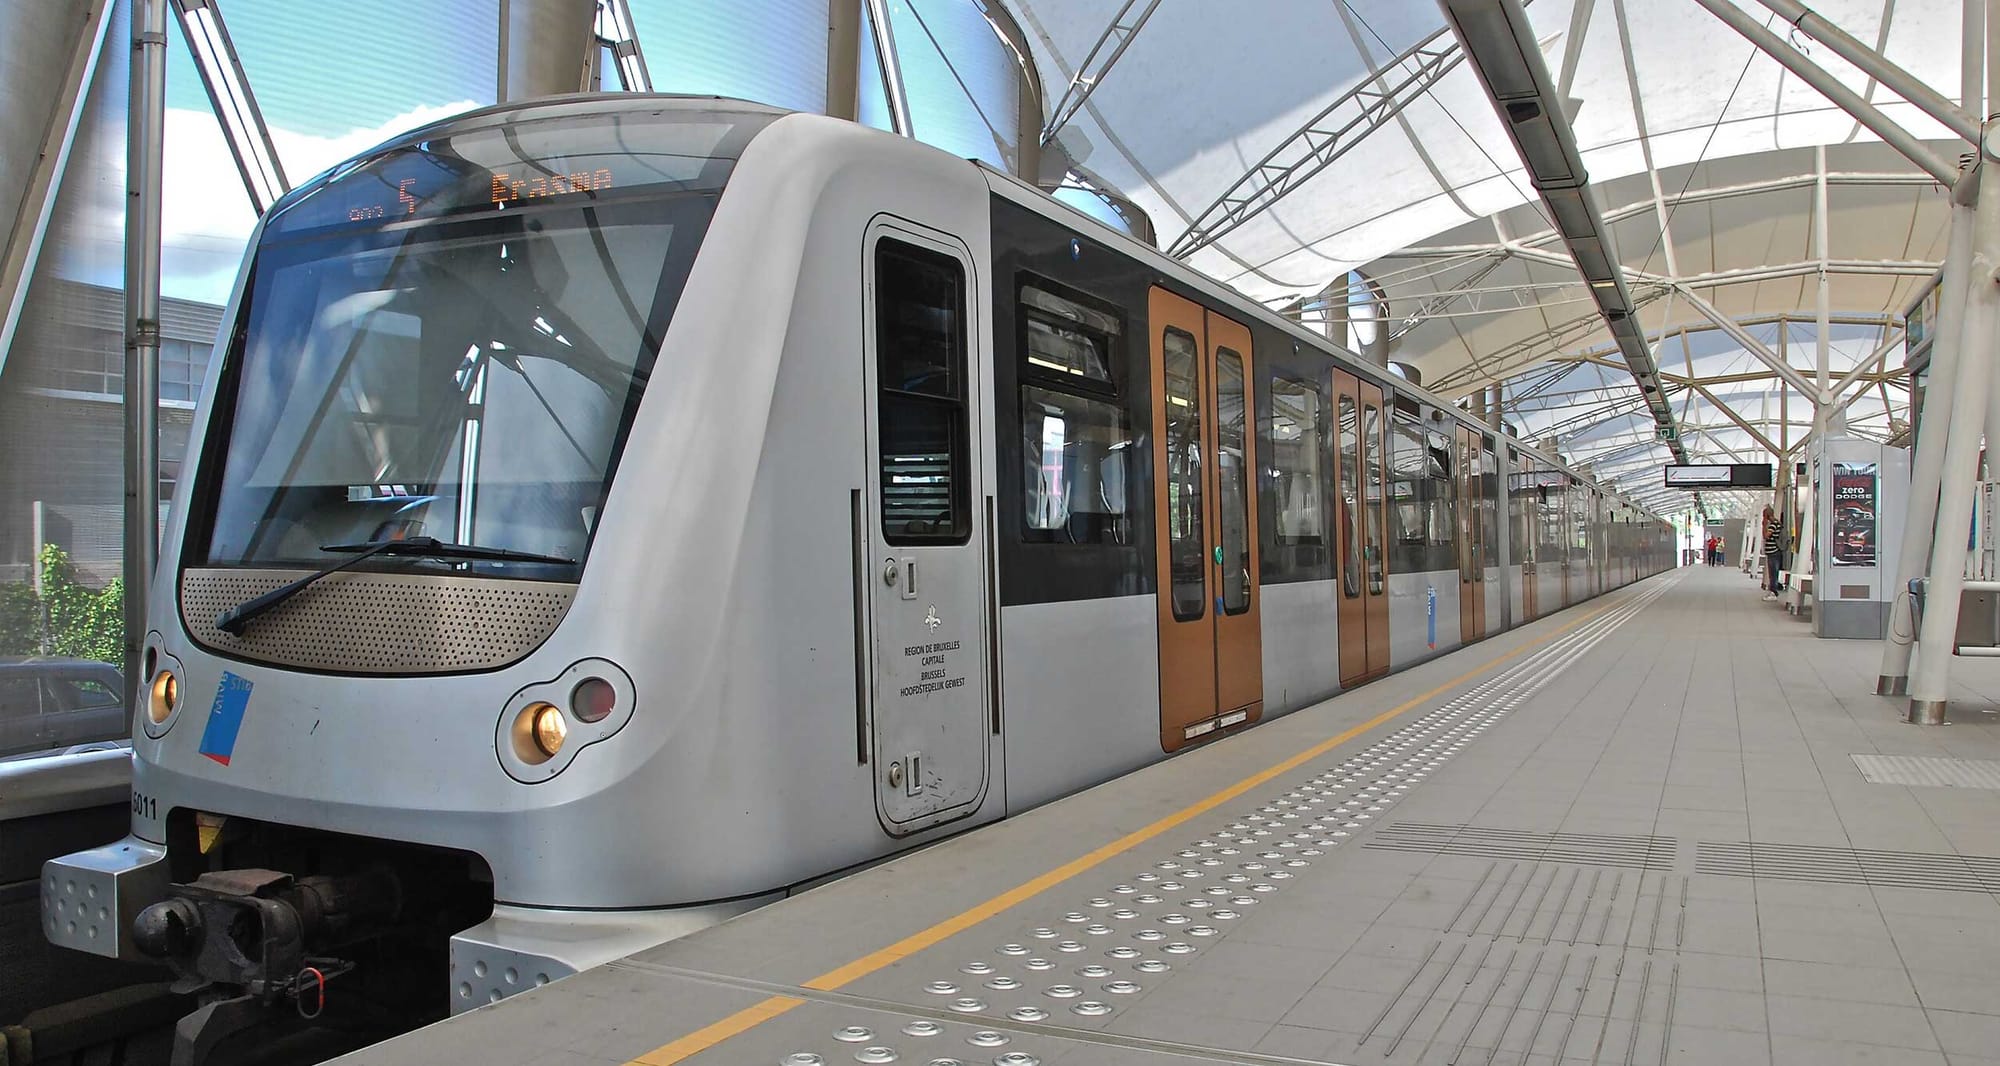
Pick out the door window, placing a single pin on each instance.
(1233, 479)
(1350, 502)
(1186, 542)
(1371, 491)
(920, 341)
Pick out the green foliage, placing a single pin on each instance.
(69, 618)
(20, 620)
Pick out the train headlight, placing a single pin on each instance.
(550, 729)
(547, 724)
(161, 698)
(164, 697)
(539, 733)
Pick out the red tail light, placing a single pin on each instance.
(593, 699)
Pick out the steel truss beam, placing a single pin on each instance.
(37, 200)
(207, 37)
(1596, 354)
(1872, 63)
(1835, 91)
(616, 32)
(1752, 345)
(1096, 64)
(1859, 179)
(1469, 290)
(1729, 412)
(1324, 139)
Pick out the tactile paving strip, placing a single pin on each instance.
(1850, 866)
(1070, 974)
(1928, 771)
(1615, 956)
(1641, 852)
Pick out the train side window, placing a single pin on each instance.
(1076, 441)
(1074, 481)
(1419, 483)
(1297, 442)
(1441, 501)
(1067, 338)
(920, 352)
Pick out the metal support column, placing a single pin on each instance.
(146, 125)
(843, 59)
(1823, 410)
(543, 47)
(892, 66)
(1784, 479)
(236, 110)
(616, 33)
(1930, 678)
(1502, 518)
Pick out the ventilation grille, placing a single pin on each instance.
(1630, 852)
(363, 623)
(1846, 866)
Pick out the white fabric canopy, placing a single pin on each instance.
(1677, 117)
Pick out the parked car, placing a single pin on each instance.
(53, 704)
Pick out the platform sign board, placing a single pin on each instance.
(1719, 476)
(1853, 524)
(1697, 477)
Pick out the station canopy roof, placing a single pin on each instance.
(1703, 151)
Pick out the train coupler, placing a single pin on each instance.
(240, 939)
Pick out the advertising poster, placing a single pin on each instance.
(1853, 514)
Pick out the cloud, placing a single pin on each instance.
(205, 218)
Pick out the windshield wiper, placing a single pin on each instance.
(234, 620)
(433, 548)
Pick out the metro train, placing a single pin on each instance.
(610, 513)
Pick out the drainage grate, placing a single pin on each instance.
(1928, 771)
(1632, 852)
(1847, 866)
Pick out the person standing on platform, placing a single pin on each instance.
(1774, 552)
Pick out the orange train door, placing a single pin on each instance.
(1204, 469)
(1526, 502)
(1471, 546)
(1360, 495)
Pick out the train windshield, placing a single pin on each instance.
(449, 340)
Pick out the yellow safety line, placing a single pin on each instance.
(709, 1036)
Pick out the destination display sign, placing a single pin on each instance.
(1719, 476)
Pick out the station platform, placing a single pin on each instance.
(1665, 826)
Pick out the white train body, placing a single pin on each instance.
(840, 607)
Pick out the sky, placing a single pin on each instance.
(333, 79)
